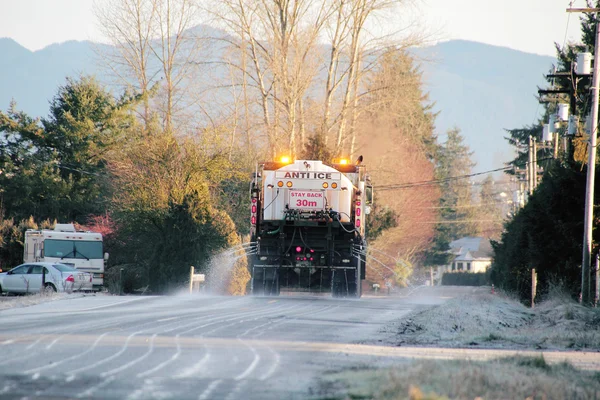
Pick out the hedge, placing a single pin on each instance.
(465, 279)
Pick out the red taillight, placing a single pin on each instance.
(358, 223)
(253, 220)
(253, 209)
(298, 249)
(70, 279)
(358, 212)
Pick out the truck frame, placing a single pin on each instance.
(308, 226)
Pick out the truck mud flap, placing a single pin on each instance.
(265, 281)
(345, 283)
(309, 280)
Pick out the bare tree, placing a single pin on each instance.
(152, 47)
(280, 39)
(129, 27)
(294, 53)
(176, 50)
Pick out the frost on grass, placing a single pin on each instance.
(7, 302)
(497, 321)
(507, 378)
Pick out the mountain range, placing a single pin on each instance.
(478, 88)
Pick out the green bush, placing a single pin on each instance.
(465, 279)
(545, 235)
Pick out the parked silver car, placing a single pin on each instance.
(36, 276)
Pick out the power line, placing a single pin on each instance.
(58, 165)
(464, 206)
(444, 180)
(437, 181)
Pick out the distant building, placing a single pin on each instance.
(470, 254)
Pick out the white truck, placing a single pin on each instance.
(308, 223)
(63, 244)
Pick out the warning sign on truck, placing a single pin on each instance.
(307, 199)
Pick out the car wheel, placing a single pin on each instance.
(49, 288)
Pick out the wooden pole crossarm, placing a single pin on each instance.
(553, 91)
(566, 75)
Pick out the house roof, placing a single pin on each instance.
(471, 248)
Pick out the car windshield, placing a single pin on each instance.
(64, 268)
(73, 249)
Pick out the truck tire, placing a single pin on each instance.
(344, 283)
(258, 288)
(265, 281)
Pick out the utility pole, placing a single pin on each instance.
(589, 195)
(534, 167)
(555, 143)
(530, 167)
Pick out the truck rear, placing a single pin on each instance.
(308, 224)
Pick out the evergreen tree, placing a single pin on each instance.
(453, 160)
(547, 233)
(54, 168)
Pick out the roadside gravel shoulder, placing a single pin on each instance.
(485, 320)
(10, 302)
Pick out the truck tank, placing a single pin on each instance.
(308, 222)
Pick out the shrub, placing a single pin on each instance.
(465, 279)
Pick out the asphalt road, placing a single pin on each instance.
(192, 346)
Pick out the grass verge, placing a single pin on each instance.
(8, 302)
(506, 378)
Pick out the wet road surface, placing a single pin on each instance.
(195, 347)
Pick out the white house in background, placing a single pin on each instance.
(471, 254)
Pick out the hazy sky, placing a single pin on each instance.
(527, 25)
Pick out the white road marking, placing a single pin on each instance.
(32, 345)
(102, 306)
(213, 385)
(199, 366)
(107, 359)
(274, 366)
(76, 356)
(164, 363)
(237, 389)
(167, 319)
(22, 357)
(7, 387)
(91, 390)
(239, 318)
(252, 365)
(133, 362)
(54, 342)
